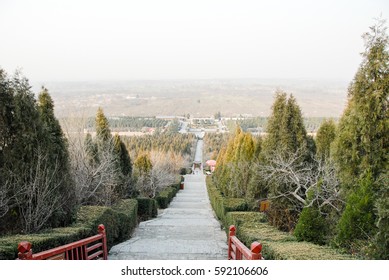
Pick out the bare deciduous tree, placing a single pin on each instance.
(4, 199)
(165, 167)
(95, 181)
(318, 178)
(36, 192)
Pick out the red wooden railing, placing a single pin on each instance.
(238, 251)
(91, 248)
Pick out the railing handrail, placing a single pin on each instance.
(237, 250)
(25, 250)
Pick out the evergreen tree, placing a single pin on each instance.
(125, 166)
(358, 218)
(324, 137)
(361, 147)
(123, 156)
(381, 242)
(56, 150)
(143, 164)
(6, 115)
(293, 135)
(362, 144)
(142, 173)
(35, 181)
(285, 129)
(274, 125)
(233, 173)
(6, 132)
(312, 225)
(286, 138)
(103, 133)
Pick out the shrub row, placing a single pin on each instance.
(278, 245)
(119, 221)
(167, 195)
(222, 205)
(147, 208)
(42, 241)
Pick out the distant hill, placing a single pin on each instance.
(252, 97)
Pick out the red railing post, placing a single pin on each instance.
(101, 230)
(231, 233)
(24, 251)
(256, 249)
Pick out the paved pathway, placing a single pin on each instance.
(187, 229)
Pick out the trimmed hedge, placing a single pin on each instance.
(128, 217)
(278, 245)
(147, 208)
(45, 240)
(167, 195)
(222, 205)
(119, 222)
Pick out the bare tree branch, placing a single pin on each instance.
(317, 178)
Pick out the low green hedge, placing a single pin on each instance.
(127, 210)
(45, 240)
(278, 245)
(222, 205)
(119, 222)
(147, 208)
(128, 217)
(92, 216)
(167, 195)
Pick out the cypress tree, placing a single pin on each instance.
(123, 156)
(25, 164)
(125, 166)
(293, 135)
(286, 136)
(6, 132)
(6, 115)
(143, 164)
(274, 124)
(362, 142)
(103, 133)
(312, 225)
(361, 147)
(324, 137)
(56, 149)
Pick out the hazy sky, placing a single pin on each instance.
(178, 39)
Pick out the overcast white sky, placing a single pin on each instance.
(177, 39)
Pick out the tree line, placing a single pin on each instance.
(166, 142)
(333, 189)
(130, 123)
(259, 124)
